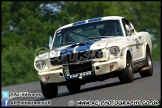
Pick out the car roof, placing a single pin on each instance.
(91, 20)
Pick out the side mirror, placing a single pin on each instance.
(50, 42)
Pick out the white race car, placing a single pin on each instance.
(94, 50)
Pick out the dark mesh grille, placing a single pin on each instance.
(73, 69)
(56, 61)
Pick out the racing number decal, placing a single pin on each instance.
(137, 43)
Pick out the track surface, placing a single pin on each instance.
(148, 88)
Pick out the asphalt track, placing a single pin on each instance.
(148, 88)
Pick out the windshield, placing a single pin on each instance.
(87, 31)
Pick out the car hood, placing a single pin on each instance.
(77, 47)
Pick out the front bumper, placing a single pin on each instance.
(99, 68)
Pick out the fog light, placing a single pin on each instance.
(47, 77)
(97, 67)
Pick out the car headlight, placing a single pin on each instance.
(114, 50)
(40, 64)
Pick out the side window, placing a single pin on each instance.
(58, 39)
(131, 26)
(126, 27)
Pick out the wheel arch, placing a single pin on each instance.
(147, 46)
(129, 51)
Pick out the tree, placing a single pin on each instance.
(26, 26)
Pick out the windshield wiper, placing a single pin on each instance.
(100, 37)
(66, 43)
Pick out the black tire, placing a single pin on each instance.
(49, 90)
(127, 75)
(147, 64)
(73, 88)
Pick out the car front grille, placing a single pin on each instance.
(56, 61)
(78, 68)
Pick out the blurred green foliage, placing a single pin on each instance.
(26, 27)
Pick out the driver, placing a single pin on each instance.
(109, 30)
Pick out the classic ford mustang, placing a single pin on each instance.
(93, 50)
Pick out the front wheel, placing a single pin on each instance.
(127, 75)
(147, 64)
(49, 90)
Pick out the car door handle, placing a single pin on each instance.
(139, 37)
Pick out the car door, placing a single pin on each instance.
(139, 46)
(136, 47)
